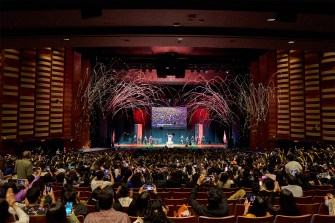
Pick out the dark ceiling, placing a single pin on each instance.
(209, 29)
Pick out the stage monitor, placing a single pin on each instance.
(169, 117)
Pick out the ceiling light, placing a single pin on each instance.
(291, 41)
(66, 39)
(180, 38)
(176, 24)
(271, 20)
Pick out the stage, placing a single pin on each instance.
(157, 146)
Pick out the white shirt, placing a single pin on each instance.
(292, 165)
(98, 183)
(125, 201)
(295, 189)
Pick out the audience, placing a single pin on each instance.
(107, 214)
(287, 205)
(258, 209)
(57, 214)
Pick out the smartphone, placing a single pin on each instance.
(149, 187)
(294, 172)
(68, 208)
(226, 169)
(251, 199)
(48, 188)
(21, 182)
(106, 173)
(47, 168)
(207, 179)
(260, 183)
(71, 167)
(216, 176)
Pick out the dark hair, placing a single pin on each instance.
(12, 184)
(287, 205)
(56, 213)
(224, 177)
(33, 194)
(95, 193)
(70, 196)
(124, 190)
(136, 180)
(215, 195)
(290, 157)
(105, 198)
(99, 175)
(269, 183)
(30, 178)
(5, 216)
(154, 213)
(259, 207)
(291, 180)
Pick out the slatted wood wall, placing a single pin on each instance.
(306, 82)
(32, 84)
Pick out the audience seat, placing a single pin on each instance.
(322, 192)
(79, 189)
(293, 219)
(239, 209)
(303, 200)
(133, 218)
(318, 199)
(165, 194)
(171, 201)
(308, 193)
(81, 218)
(318, 218)
(233, 201)
(323, 210)
(180, 195)
(231, 208)
(309, 208)
(191, 219)
(228, 219)
(37, 218)
(91, 208)
(58, 194)
(243, 219)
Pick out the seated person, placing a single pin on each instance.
(217, 202)
(156, 213)
(71, 196)
(258, 209)
(287, 205)
(56, 214)
(32, 206)
(98, 180)
(330, 203)
(140, 202)
(107, 214)
(125, 195)
(9, 209)
(293, 186)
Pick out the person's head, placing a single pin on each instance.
(195, 177)
(56, 213)
(290, 157)
(291, 180)
(124, 190)
(143, 200)
(155, 212)
(70, 195)
(106, 198)
(95, 193)
(33, 194)
(224, 177)
(285, 198)
(99, 175)
(214, 195)
(12, 184)
(30, 178)
(259, 207)
(26, 154)
(269, 183)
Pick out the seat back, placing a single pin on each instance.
(191, 219)
(318, 199)
(309, 208)
(133, 218)
(180, 195)
(37, 218)
(308, 193)
(316, 218)
(80, 218)
(182, 201)
(165, 194)
(239, 209)
(323, 210)
(243, 219)
(303, 200)
(231, 208)
(228, 219)
(293, 219)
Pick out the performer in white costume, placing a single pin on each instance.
(169, 142)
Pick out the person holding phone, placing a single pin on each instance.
(9, 209)
(28, 183)
(57, 214)
(217, 201)
(97, 181)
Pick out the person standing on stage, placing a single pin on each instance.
(192, 140)
(187, 140)
(151, 140)
(24, 167)
(135, 139)
(181, 139)
(145, 140)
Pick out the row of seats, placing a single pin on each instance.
(308, 218)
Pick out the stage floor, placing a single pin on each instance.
(158, 146)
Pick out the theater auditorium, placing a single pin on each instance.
(167, 111)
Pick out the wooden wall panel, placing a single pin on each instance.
(328, 95)
(27, 94)
(57, 93)
(42, 116)
(68, 94)
(10, 94)
(283, 78)
(297, 105)
(312, 95)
